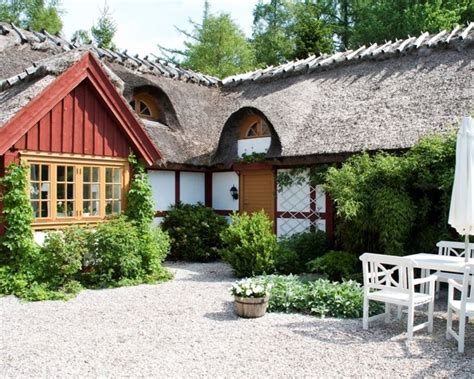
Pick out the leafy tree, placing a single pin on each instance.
(81, 37)
(216, 47)
(32, 14)
(105, 28)
(379, 21)
(271, 38)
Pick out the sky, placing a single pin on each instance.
(142, 24)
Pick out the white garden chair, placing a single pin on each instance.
(463, 308)
(391, 280)
(453, 249)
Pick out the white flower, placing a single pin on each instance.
(248, 292)
(258, 289)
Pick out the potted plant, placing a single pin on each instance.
(250, 297)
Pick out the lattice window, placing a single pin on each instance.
(299, 208)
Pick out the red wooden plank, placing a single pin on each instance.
(32, 139)
(2, 173)
(78, 135)
(68, 123)
(208, 189)
(45, 133)
(329, 216)
(89, 121)
(57, 128)
(108, 136)
(99, 130)
(122, 144)
(21, 144)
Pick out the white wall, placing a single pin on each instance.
(253, 145)
(294, 198)
(222, 182)
(163, 186)
(192, 187)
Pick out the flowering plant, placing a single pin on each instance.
(250, 288)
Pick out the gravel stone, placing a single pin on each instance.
(187, 328)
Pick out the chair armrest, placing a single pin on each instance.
(453, 283)
(431, 278)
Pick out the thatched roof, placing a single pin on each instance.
(376, 97)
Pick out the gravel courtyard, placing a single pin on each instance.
(186, 328)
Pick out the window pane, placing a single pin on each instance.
(35, 206)
(70, 209)
(44, 172)
(95, 208)
(70, 191)
(34, 172)
(87, 174)
(44, 209)
(34, 191)
(108, 191)
(116, 207)
(61, 174)
(86, 191)
(117, 174)
(60, 191)
(95, 174)
(86, 208)
(108, 175)
(117, 191)
(70, 174)
(95, 191)
(61, 208)
(45, 191)
(108, 208)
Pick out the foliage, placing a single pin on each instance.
(215, 47)
(249, 244)
(252, 158)
(194, 231)
(296, 251)
(104, 29)
(271, 38)
(17, 242)
(394, 204)
(140, 206)
(379, 21)
(301, 175)
(320, 297)
(81, 37)
(336, 265)
(63, 255)
(311, 34)
(251, 287)
(32, 14)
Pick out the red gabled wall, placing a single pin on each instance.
(78, 124)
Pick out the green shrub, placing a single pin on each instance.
(250, 244)
(154, 247)
(297, 250)
(194, 231)
(320, 297)
(63, 254)
(115, 252)
(336, 265)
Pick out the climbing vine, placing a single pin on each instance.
(301, 175)
(17, 213)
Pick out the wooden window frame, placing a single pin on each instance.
(151, 104)
(79, 162)
(249, 122)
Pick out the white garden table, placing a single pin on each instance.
(437, 262)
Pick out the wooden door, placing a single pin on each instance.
(257, 189)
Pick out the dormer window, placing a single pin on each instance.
(254, 127)
(146, 106)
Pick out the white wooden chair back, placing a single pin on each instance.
(454, 248)
(385, 272)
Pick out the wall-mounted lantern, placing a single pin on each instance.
(234, 192)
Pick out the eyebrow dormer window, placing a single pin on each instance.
(254, 127)
(146, 106)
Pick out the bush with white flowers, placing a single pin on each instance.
(251, 287)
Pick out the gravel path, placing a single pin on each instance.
(186, 328)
